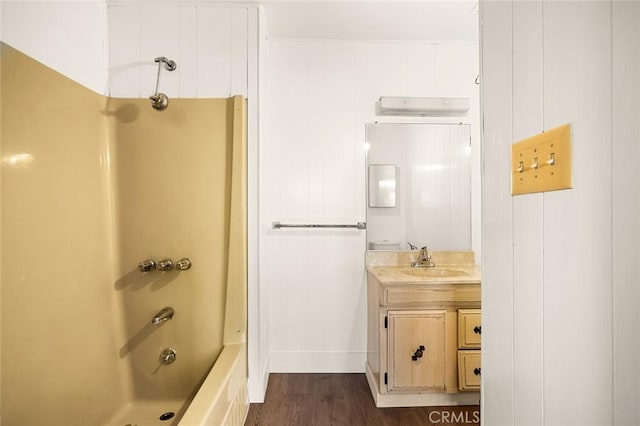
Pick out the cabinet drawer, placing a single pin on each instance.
(469, 370)
(469, 328)
(415, 294)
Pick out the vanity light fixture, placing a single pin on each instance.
(422, 107)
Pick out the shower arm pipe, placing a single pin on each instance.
(169, 66)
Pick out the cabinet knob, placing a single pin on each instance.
(477, 371)
(477, 329)
(418, 353)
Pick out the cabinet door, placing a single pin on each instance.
(469, 370)
(416, 356)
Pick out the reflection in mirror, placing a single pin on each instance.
(432, 186)
(382, 185)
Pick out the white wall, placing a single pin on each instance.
(67, 36)
(560, 287)
(626, 211)
(110, 48)
(312, 168)
(257, 294)
(208, 42)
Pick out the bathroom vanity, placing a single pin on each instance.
(423, 329)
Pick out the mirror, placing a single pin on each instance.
(382, 185)
(430, 166)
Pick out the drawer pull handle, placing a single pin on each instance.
(418, 353)
(477, 371)
(477, 329)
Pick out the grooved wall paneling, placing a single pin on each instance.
(497, 216)
(626, 204)
(560, 289)
(67, 36)
(208, 42)
(577, 222)
(527, 220)
(320, 94)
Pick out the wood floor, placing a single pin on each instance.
(343, 399)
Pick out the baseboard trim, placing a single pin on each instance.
(317, 362)
(418, 400)
(257, 386)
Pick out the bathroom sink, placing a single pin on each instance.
(433, 272)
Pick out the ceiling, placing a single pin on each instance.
(373, 20)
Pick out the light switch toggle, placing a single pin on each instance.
(520, 167)
(552, 159)
(534, 164)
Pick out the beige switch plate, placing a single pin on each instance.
(542, 162)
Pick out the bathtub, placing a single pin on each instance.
(221, 399)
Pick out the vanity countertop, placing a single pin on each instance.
(451, 267)
(464, 274)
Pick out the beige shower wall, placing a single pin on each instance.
(172, 191)
(58, 303)
(90, 187)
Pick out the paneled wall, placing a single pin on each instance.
(68, 36)
(626, 210)
(110, 49)
(320, 94)
(560, 290)
(210, 44)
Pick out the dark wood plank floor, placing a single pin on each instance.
(343, 399)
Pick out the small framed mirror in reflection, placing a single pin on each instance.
(382, 185)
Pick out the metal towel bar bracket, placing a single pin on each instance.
(278, 225)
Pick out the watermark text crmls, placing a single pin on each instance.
(446, 417)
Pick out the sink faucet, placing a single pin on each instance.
(424, 259)
(411, 246)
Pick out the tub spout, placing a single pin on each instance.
(164, 315)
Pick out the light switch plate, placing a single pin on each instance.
(542, 162)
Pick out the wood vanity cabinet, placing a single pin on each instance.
(422, 348)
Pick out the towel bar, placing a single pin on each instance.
(278, 225)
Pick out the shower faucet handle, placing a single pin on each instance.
(183, 264)
(147, 265)
(165, 265)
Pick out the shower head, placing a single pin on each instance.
(159, 101)
(168, 63)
